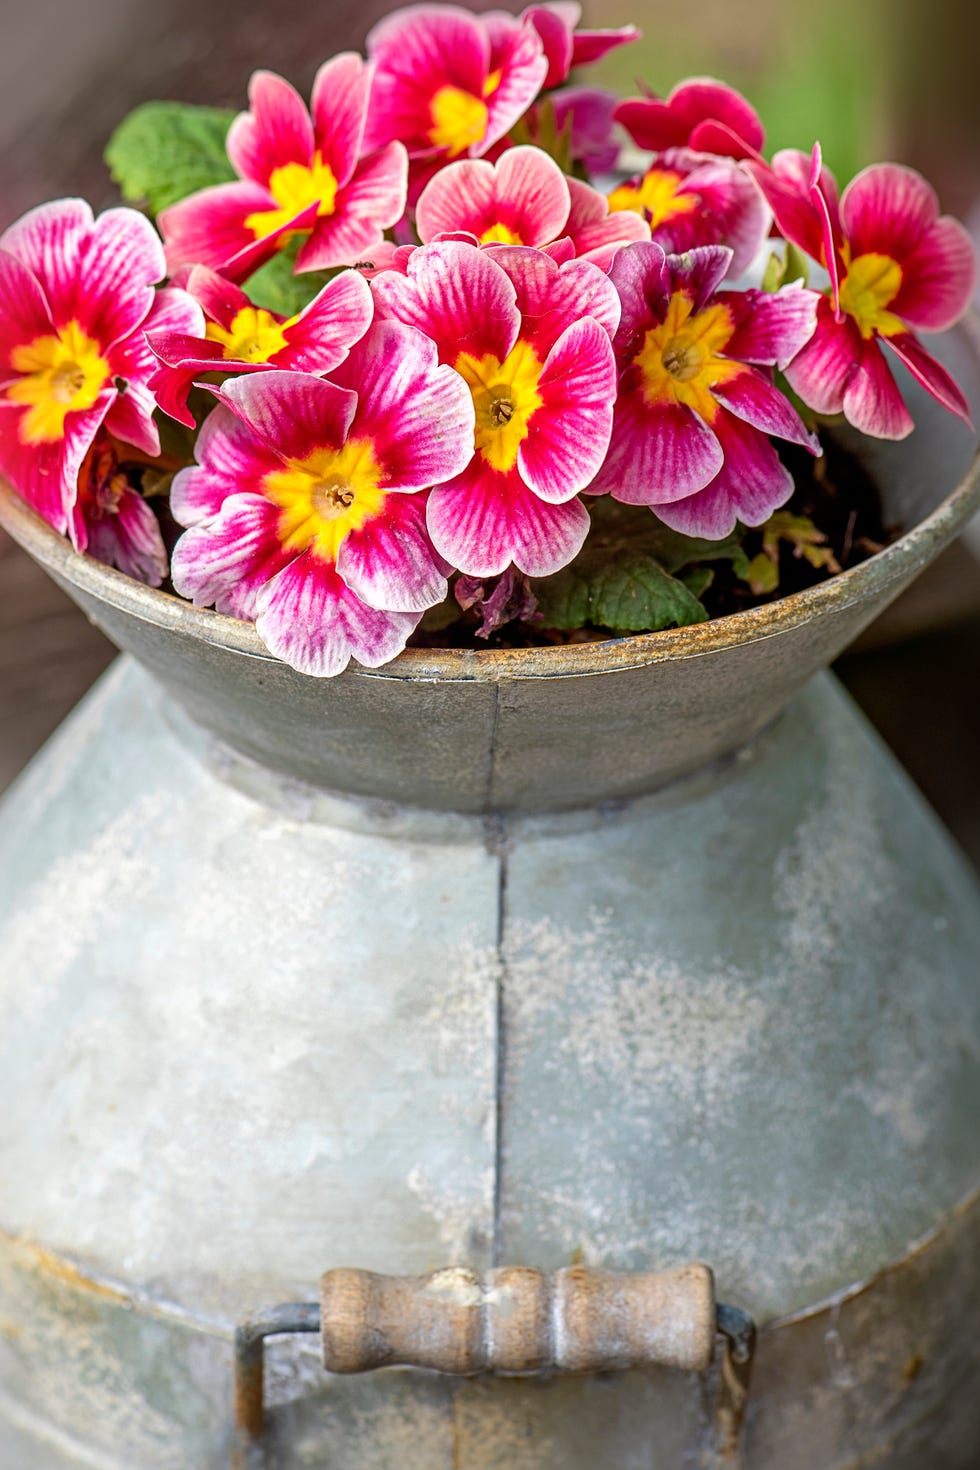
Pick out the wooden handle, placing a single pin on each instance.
(519, 1320)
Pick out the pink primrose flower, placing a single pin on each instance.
(298, 175)
(76, 293)
(112, 520)
(695, 406)
(306, 508)
(241, 338)
(564, 46)
(447, 82)
(895, 265)
(696, 199)
(700, 113)
(524, 199)
(587, 112)
(532, 342)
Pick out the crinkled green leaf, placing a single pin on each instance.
(634, 595)
(164, 151)
(624, 576)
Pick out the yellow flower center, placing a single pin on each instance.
(327, 496)
(254, 335)
(505, 395)
(295, 187)
(499, 234)
(679, 360)
(871, 284)
(458, 119)
(657, 195)
(64, 372)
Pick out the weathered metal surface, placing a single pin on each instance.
(476, 731)
(251, 1028)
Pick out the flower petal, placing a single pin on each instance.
(517, 58)
(658, 125)
(340, 98)
(555, 24)
(484, 520)
(819, 372)
(48, 240)
(596, 234)
(872, 402)
(751, 484)
(219, 299)
(551, 297)
(390, 562)
(699, 272)
(931, 374)
(641, 276)
(939, 278)
(419, 415)
(771, 327)
(371, 201)
(568, 436)
(587, 113)
(292, 413)
(589, 46)
(887, 208)
(133, 364)
(226, 562)
(658, 452)
(525, 192)
(129, 538)
(457, 295)
(208, 228)
(275, 131)
(46, 475)
(417, 50)
(313, 621)
(751, 397)
(230, 461)
(24, 313)
(325, 330)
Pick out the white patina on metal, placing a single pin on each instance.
(641, 954)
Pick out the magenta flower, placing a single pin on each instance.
(306, 508)
(524, 199)
(447, 82)
(297, 175)
(75, 296)
(532, 342)
(112, 521)
(695, 199)
(694, 411)
(241, 338)
(700, 113)
(895, 265)
(564, 46)
(587, 114)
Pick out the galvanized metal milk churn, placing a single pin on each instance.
(581, 986)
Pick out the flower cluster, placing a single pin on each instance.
(417, 329)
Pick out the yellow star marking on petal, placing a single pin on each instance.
(64, 372)
(499, 234)
(295, 187)
(327, 496)
(679, 360)
(505, 395)
(871, 284)
(253, 336)
(458, 120)
(657, 195)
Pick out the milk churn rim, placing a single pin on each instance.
(893, 564)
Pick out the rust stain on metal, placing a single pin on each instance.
(62, 1271)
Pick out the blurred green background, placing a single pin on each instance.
(871, 79)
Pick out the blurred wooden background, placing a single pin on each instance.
(890, 78)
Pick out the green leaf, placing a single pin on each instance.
(797, 266)
(762, 574)
(635, 595)
(276, 287)
(164, 151)
(804, 538)
(774, 273)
